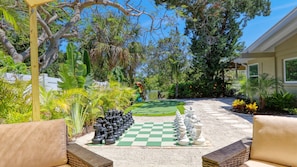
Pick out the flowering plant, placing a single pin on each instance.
(252, 108)
(238, 105)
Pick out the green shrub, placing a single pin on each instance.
(199, 88)
(281, 100)
(15, 101)
(293, 111)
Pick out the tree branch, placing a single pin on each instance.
(44, 26)
(74, 9)
(9, 47)
(70, 35)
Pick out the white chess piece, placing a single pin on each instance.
(183, 138)
(198, 139)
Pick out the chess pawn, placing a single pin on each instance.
(197, 128)
(181, 131)
(193, 120)
(183, 138)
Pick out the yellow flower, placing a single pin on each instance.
(238, 105)
(252, 107)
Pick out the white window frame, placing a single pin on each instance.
(253, 76)
(284, 65)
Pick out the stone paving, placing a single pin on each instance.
(220, 127)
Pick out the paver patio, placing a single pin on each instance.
(220, 127)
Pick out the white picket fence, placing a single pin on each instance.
(49, 83)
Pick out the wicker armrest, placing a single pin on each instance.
(81, 157)
(234, 154)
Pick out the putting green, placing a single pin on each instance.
(158, 108)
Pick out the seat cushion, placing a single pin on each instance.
(66, 165)
(275, 140)
(255, 163)
(33, 144)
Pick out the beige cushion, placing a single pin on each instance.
(255, 163)
(34, 144)
(66, 165)
(275, 140)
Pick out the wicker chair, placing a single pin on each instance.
(80, 157)
(44, 143)
(234, 154)
(273, 145)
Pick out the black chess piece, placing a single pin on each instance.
(97, 138)
(121, 123)
(100, 132)
(110, 137)
(114, 125)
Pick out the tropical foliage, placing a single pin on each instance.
(260, 88)
(112, 40)
(75, 72)
(214, 28)
(166, 63)
(58, 21)
(15, 101)
(8, 65)
(281, 100)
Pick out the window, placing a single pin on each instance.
(290, 70)
(253, 71)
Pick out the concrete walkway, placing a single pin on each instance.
(220, 128)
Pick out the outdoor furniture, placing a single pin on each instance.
(43, 144)
(274, 144)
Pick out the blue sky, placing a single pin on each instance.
(254, 29)
(257, 27)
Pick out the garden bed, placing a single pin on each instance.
(267, 111)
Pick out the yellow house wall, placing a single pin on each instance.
(266, 65)
(288, 49)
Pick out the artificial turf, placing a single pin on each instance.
(156, 108)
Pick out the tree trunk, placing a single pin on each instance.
(176, 90)
(262, 102)
(18, 58)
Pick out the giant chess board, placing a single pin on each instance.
(149, 134)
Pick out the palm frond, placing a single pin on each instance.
(9, 18)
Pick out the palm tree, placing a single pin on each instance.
(261, 87)
(266, 86)
(112, 41)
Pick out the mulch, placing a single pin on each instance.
(266, 111)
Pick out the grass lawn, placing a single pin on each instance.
(156, 108)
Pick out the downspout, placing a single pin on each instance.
(275, 72)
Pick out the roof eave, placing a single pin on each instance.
(281, 31)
